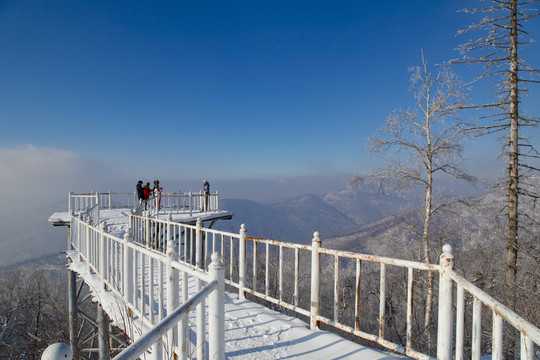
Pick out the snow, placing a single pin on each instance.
(252, 331)
(255, 332)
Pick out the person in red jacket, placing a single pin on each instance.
(147, 191)
(146, 194)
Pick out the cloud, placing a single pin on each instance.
(32, 176)
(36, 176)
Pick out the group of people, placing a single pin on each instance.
(144, 191)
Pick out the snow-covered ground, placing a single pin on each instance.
(251, 330)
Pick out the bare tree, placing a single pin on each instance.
(417, 144)
(32, 314)
(503, 24)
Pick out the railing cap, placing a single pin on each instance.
(57, 351)
(447, 251)
(216, 263)
(447, 257)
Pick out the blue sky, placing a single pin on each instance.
(182, 90)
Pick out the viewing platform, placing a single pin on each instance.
(183, 208)
(251, 330)
(160, 274)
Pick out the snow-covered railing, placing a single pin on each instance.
(529, 334)
(164, 203)
(114, 200)
(292, 267)
(328, 287)
(86, 205)
(312, 281)
(149, 284)
(196, 243)
(179, 203)
(215, 337)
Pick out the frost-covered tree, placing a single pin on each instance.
(32, 314)
(498, 51)
(419, 143)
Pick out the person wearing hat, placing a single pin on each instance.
(206, 190)
(157, 193)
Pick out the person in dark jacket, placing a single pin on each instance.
(140, 191)
(206, 190)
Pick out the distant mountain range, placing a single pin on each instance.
(29, 235)
(354, 222)
(346, 220)
(296, 219)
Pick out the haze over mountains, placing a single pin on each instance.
(29, 235)
(346, 220)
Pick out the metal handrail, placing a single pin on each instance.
(238, 248)
(196, 242)
(120, 264)
(141, 345)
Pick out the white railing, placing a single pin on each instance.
(86, 205)
(165, 203)
(149, 284)
(374, 298)
(215, 319)
(179, 203)
(311, 281)
(113, 200)
(529, 334)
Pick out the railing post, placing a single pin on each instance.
(103, 255)
(128, 268)
(89, 254)
(202, 201)
(242, 263)
(198, 283)
(183, 331)
(81, 232)
(147, 239)
(315, 281)
(71, 228)
(70, 207)
(445, 322)
(172, 285)
(216, 310)
(190, 203)
(198, 244)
